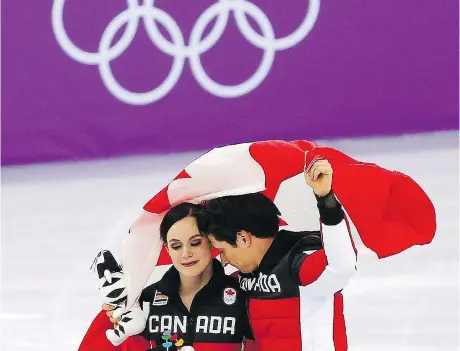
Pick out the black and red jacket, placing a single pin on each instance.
(295, 300)
(217, 319)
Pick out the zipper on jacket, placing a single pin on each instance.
(249, 318)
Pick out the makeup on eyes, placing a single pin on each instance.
(195, 241)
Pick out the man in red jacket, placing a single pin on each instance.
(294, 285)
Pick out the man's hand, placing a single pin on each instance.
(319, 177)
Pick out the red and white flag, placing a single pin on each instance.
(389, 210)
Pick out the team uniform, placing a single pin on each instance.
(217, 319)
(295, 300)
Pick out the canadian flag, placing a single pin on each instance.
(389, 210)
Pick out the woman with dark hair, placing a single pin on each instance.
(195, 306)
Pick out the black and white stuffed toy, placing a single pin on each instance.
(112, 290)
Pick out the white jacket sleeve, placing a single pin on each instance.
(328, 270)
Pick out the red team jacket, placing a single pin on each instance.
(295, 303)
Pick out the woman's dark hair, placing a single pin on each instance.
(175, 214)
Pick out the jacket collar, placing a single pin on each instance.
(283, 242)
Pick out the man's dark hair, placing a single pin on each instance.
(224, 217)
(175, 214)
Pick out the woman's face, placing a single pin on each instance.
(190, 251)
